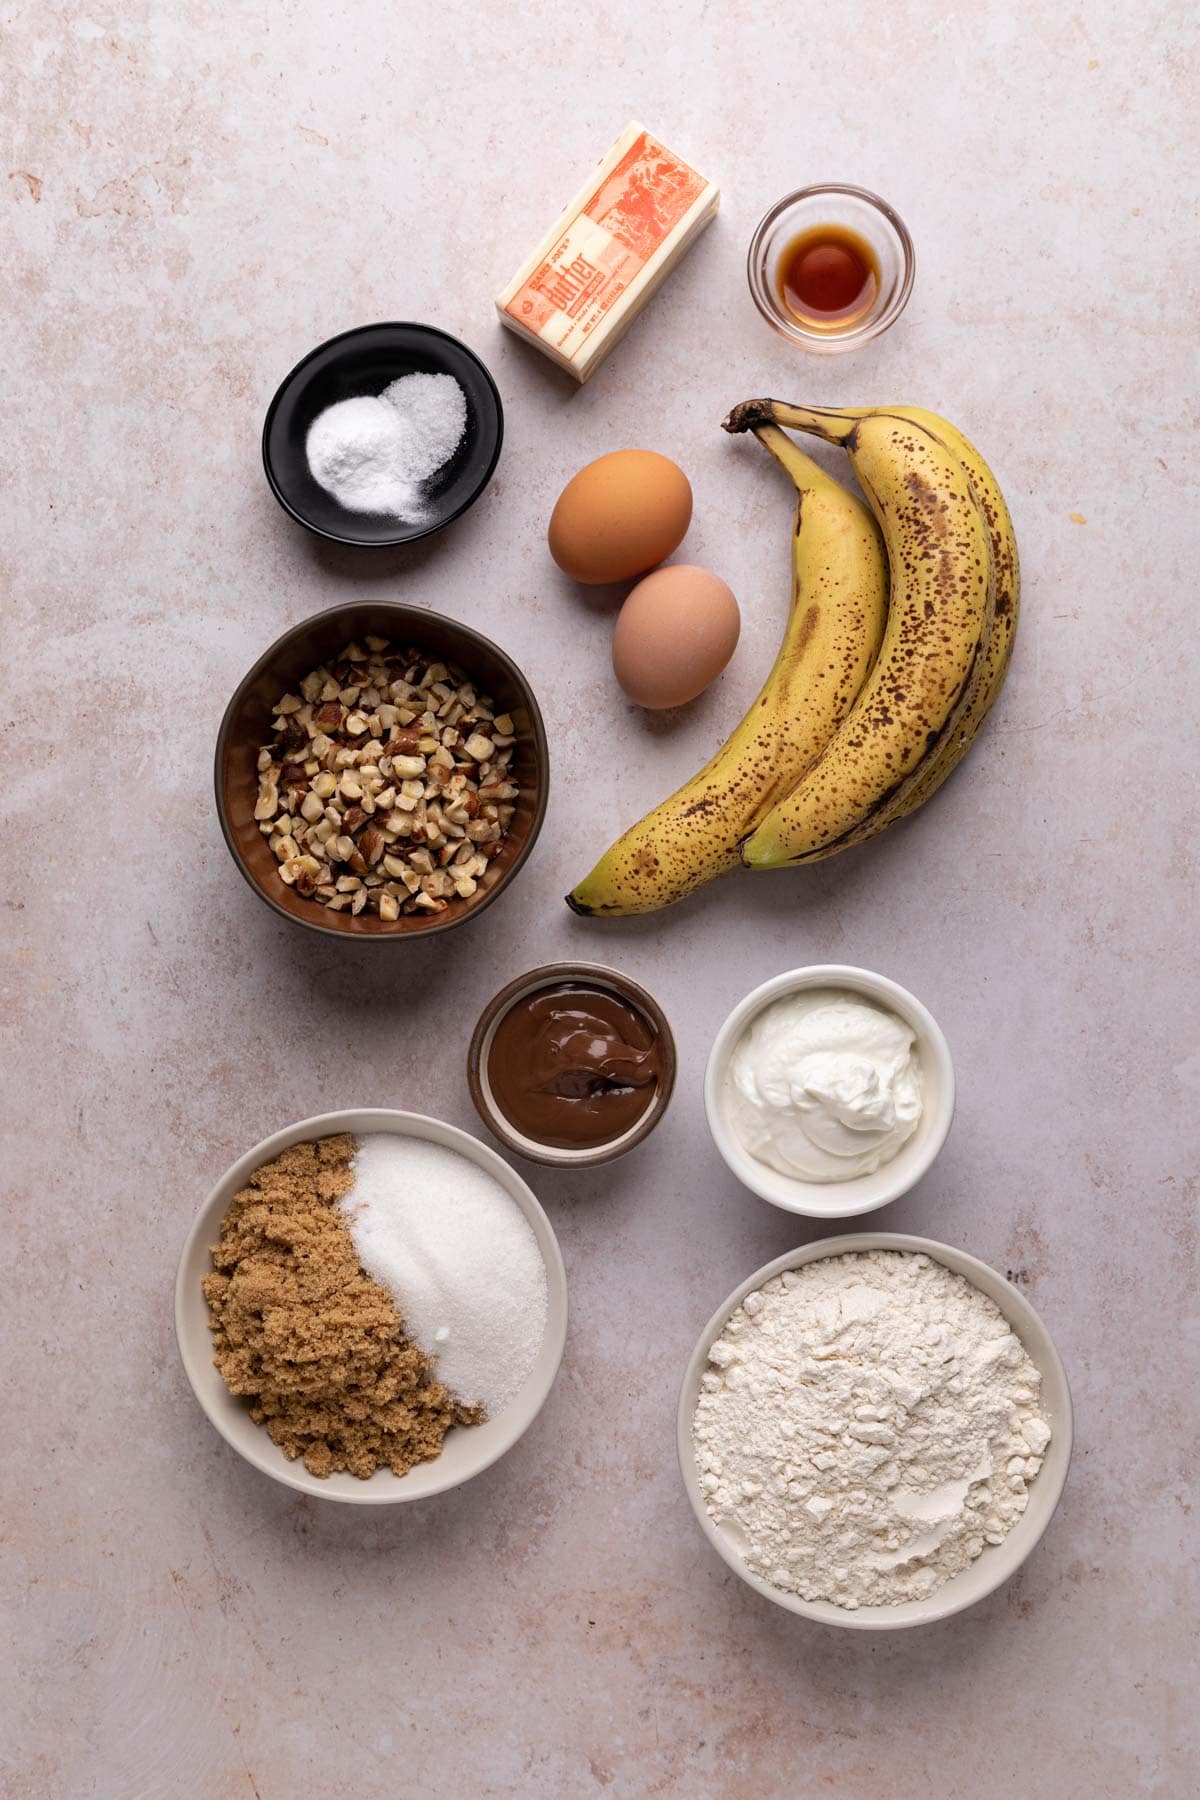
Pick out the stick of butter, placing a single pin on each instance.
(620, 237)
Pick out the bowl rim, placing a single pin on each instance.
(833, 342)
(375, 1491)
(541, 754)
(834, 1199)
(1025, 1321)
(546, 975)
(407, 537)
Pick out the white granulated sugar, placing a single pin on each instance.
(868, 1424)
(458, 1257)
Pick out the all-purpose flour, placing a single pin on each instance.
(867, 1425)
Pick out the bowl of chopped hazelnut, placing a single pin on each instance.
(381, 771)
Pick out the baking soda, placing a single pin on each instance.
(375, 452)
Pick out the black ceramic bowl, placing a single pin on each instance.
(365, 361)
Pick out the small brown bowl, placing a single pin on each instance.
(247, 726)
(550, 975)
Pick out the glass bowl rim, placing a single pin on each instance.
(790, 328)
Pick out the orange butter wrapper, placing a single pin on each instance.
(616, 242)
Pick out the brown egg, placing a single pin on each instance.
(674, 635)
(620, 516)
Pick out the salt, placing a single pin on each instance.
(375, 452)
(434, 408)
(458, 1257)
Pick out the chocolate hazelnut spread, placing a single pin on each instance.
(573, 1066)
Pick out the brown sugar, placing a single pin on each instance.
(314, 1344)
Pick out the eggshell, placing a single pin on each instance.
(674, 635)
(620, 516)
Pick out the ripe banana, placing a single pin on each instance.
(988, 679)
(833, 633)
(937, 640)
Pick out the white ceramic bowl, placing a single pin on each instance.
(836, 1199)
(467, 1451)
(998, 1561)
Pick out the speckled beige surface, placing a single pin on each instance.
(195, 194)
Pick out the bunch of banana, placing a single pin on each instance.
(936, 674)
(909, 695)
(833, 632)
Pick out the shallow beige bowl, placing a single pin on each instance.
(468, 1450)
(998, 1561)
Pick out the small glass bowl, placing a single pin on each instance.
(857, 210)
(593, 975)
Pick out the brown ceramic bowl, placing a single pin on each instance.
(247, 726)
(550, 975)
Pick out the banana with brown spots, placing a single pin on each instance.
(833, 633)
(937, 645)
(960, 732)
(929, 775)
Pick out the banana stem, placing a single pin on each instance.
(802, 469)
(819, 421)
(835, 426)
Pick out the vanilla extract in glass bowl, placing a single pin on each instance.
(831, 267)
(828, 277)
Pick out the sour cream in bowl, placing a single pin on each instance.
(829, 1091)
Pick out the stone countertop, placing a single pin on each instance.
(195, 196)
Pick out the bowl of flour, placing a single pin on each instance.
(874, 1430)
(383, 435)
